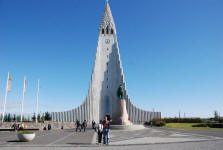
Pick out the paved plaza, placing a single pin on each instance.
(148, 138)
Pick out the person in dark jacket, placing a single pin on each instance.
(78, 125)
(93, 124)
(49, 126)
(84, 125)
(106, 128)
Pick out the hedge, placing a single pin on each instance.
(182, 120)
(156, 122)
(211, 125)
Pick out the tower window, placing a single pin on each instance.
(112, 31)
(107, 31)
(107, 49)
(107, 79)
(107, 87)
(103, 31)
(107, 56)
(107, 64)
(107, 71)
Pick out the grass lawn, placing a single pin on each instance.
(188, 126)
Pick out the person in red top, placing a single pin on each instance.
(106, 127)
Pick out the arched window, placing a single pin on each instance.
(107, 105)
(103, 31)
(112, 31)
(107, 30)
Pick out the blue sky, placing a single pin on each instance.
(171, 51)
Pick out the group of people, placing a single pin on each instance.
(103, 130)
(17, 126)
(48, 127)
(80, 126)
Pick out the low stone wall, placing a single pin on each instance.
(40, 126)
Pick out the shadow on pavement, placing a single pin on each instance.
(15, 141)
(79, 143)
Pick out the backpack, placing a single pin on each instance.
(100, 127)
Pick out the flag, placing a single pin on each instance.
(9, 83)
(24, 88)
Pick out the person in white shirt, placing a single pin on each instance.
(99, 130)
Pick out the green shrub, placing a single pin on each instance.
(147, 123)
(200, 125)
(182, 120)
(211, 125)
(155, 122)
(26, 132)
(159, 123)
(215, 125)
(162, 122)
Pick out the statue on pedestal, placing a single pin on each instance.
(120, 92)
(120, 116)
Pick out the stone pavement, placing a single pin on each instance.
(209, 145)
(50, 138)
(148, 138)
(156, 136)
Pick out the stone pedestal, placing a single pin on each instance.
(121, 116)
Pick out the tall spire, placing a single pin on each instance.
(107, 19)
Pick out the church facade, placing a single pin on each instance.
(106, 78)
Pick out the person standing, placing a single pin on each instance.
(78, 126)
(93, 124)
(99, 130)
(49, 126)
(106, 127)
(84, 125)
(14, 126)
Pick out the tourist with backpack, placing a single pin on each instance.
(99, 130)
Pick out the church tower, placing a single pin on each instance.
(107, 73)
(107, 76)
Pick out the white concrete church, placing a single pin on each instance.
(106, 78)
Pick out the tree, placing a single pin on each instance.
(28, 119)
(216, 116)
(47, 116)
(9, 119)
(14, 117)
(34, 117)
(38, 117)
(6, 117)
(18, 118)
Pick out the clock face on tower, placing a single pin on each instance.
(107, 41)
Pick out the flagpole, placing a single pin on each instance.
(23, 96)
(37, 102)
(6, 93)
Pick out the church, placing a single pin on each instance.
(107, 76)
